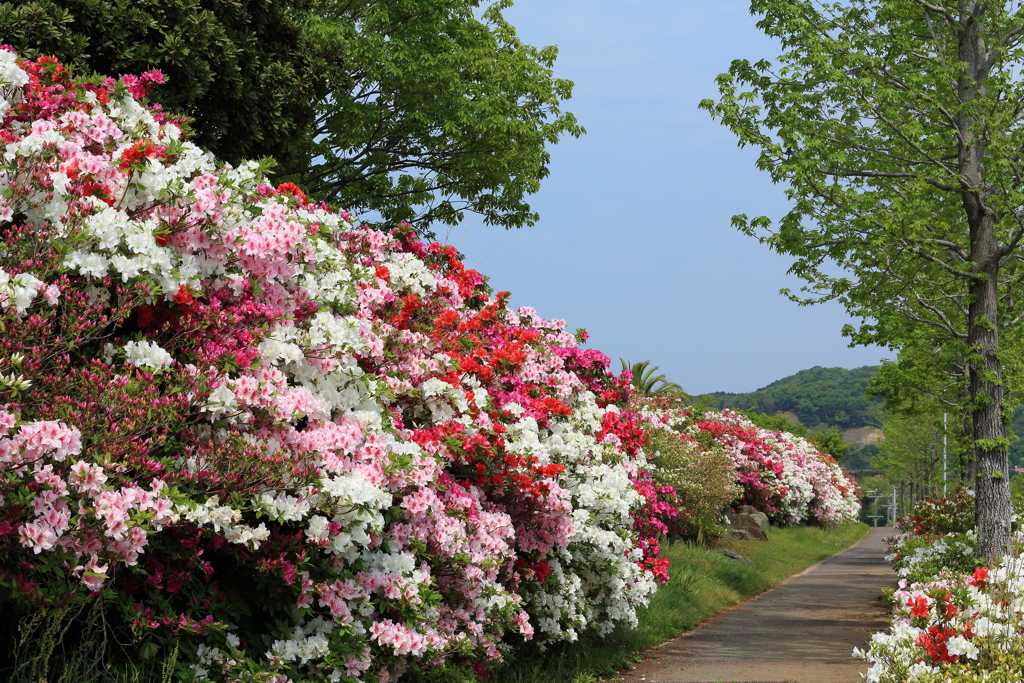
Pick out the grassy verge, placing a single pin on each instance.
(704, 583)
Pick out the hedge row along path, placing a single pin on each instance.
(803, 630)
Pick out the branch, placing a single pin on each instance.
(945, 327)
(1013, 322)
(951, 246)
(896, 129)
(967, 275)
(950, 19)
(866, 174)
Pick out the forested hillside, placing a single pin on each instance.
(819, 397)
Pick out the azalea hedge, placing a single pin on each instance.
(249, 439)
(954, 618)
(778, 473)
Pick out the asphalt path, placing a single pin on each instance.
(802, 630)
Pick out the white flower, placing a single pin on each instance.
(10, 72)
(958, 645)
(146, 354)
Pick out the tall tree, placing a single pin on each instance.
(446, 111)
(896, 125)
(914, 455)
(398, 109)
(245, 73)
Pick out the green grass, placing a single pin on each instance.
(704, 582)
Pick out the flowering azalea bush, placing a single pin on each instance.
(658, 517)
(695, 480)
(783, 475)
(954, 626)
(253, 441)
(951, 514)
(937, 535)
(281, 447)
(778, 473)
(953, 619)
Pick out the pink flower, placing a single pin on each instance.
(86, 477)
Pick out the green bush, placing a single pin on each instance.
(704, 477)
(920, 559)
(950, 515)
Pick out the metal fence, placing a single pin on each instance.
(876, 507)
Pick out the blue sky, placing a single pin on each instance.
(634, 241)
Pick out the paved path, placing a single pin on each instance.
(804, 630)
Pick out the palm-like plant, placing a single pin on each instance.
(648, 383)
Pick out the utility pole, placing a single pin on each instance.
(943, 454)
(893, 511)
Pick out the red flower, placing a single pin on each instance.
(292, 189)
(186, 302)
(919, 605)
(135, 154)
(978, 578)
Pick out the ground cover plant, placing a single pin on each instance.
(243, 438)
(954, 617)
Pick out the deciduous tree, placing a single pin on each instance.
(896, 125)
(394, 109)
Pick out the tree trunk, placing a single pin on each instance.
(991, 483)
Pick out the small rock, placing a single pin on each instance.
(750, 524)
(735, 556)
(736, 535)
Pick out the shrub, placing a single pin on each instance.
(778, 473)
(949, 515)
(954, 627)
(703, 478)
(267, 444)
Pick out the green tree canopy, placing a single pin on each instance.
(897, 127)
(820, 397)
(914, 456)
(245, 73)
(446, 113)
(404, 109)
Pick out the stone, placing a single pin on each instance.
(750, 524)
(762, 521)
(759, 517)
(736, 535)
(734, 556)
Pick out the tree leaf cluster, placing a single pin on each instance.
(448, 111)
(403, 110)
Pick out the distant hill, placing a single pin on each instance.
(819, 397)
